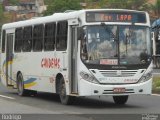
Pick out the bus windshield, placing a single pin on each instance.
(116, 45)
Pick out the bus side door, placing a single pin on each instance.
(9, 58)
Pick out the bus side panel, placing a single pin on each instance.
(47, 69)
(62, 67)
(37, 70)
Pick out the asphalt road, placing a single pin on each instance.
(88, 108)
(47, 106)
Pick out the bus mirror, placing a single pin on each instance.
(152, 36)
(153, 43)
(73, 22)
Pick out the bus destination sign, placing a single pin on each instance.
(115, 17)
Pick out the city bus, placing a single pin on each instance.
(156, 42)
(95, 52)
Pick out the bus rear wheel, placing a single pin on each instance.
(120, 99)
(65, 99)
(20, 86)
(21, 90)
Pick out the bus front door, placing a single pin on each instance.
(9, 59)
(73, 61)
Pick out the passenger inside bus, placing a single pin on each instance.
(92, 41)
(95, 45)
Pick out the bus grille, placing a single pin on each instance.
(122, 73)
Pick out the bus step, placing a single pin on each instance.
(10, 86)
(14, 87)
(74, 94)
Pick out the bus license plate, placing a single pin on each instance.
(119, 90)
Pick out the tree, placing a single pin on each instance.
(95, 4)
(156, 8)
(13, 2)
(127, 4)
(62, 5)
(1, 12)
(118, 4)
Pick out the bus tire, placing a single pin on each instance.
(32, 92)
(120, 99)
(20, 86)
(64, 98)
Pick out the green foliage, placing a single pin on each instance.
(127, 4)
(1, 12)
(156, 8)
(156, 84)
(93, 4)
(62, 5)
(13, 2)
(4, 16)
(118, 4)
(48, 2)
(156, 81)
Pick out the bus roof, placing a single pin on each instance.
(58, 17)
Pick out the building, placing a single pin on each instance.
(25, 9)
(28, 9)
(5, 3)
(152, 1)
(41, 7)
(11, 8)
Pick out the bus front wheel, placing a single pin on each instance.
(65, 99)
(120, 99)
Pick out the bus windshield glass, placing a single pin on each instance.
(116, 45)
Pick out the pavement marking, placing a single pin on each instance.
(156, 95)
(3, 96)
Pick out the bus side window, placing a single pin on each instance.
(18, 40)
(38, 37)
(3, 41)
(62, 30)
(49, 36)
(27, 39)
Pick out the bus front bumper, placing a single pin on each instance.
(90, 89)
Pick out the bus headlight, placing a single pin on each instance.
(88, 77)
(145, 77)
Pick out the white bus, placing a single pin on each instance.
(97, 52)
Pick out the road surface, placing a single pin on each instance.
(47, 106)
